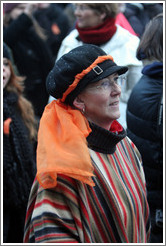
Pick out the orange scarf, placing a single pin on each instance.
(62, 146)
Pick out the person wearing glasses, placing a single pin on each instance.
(90, 185)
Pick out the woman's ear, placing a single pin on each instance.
(78, 103)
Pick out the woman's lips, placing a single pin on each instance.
(114, 103)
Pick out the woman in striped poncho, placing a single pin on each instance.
(90, 185)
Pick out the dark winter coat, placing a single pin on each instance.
(145, 128)
(18, 170)
(32, 58)
(139, 14)
(56, 25)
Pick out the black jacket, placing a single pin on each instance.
(56, 25)
(18, 155)
(19, 170)
(32, 57)
(139, 14)
(145, 127)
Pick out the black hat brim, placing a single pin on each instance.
(109, 71)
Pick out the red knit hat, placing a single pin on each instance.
(7, 7)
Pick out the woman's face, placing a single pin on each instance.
(101, 101)
(6, 72)
(87, 17)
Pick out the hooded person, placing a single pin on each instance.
(90, 185)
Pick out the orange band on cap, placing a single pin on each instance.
(79, 76)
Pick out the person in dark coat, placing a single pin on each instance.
(31, 54)
(139, 14)
(55, 23)
(19, 135)
(145, 119)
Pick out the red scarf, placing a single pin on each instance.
(116, 127)
(99, 34)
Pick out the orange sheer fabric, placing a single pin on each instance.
(62, 146)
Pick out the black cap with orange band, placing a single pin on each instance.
(75, 70)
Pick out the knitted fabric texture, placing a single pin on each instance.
(18, 163)
(99, 34)
(99, 138)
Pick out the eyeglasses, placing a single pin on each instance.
(107, 84)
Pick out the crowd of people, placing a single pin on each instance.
(75, 168)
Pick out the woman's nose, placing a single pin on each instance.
(116, 90)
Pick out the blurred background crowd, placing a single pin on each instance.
(35, 35)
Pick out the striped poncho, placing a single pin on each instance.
(115, 210)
